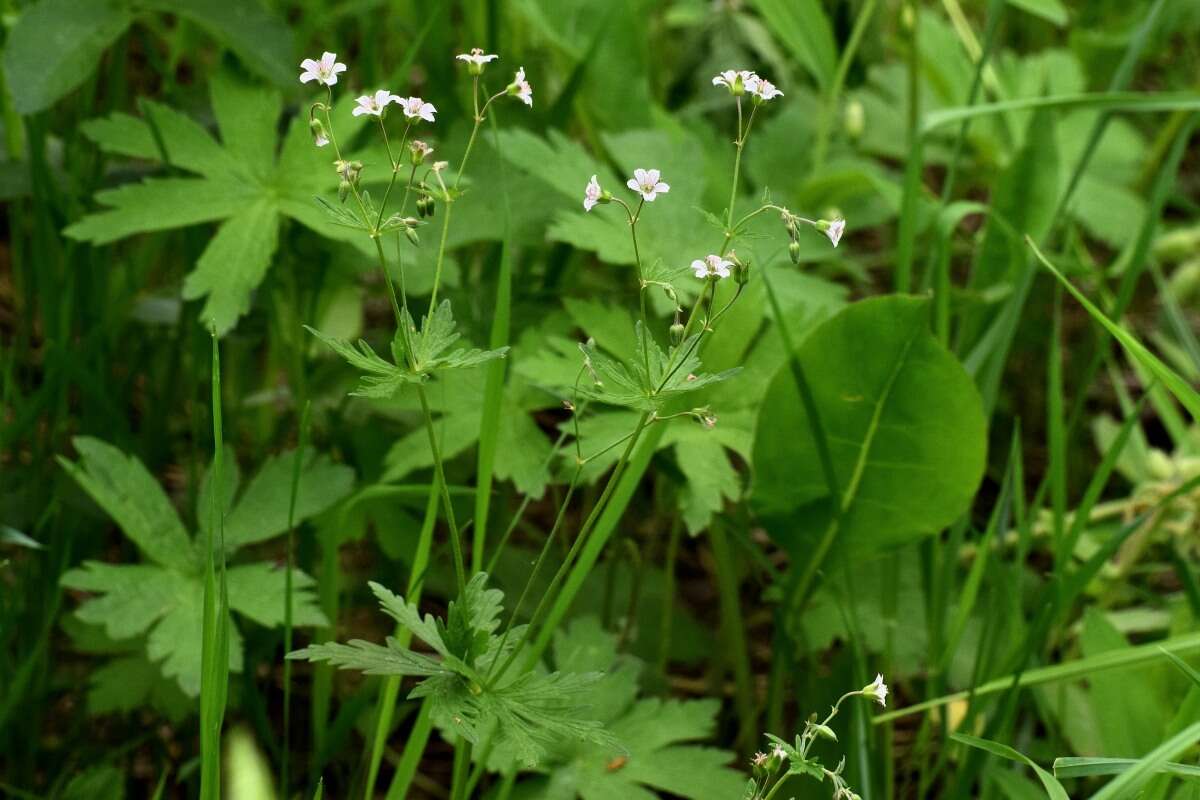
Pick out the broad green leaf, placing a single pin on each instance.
(258, 591)
(262, 510)
(104, 780)
(134, 597)
(159, 204)
(175, 642)
(657, 751)
(56, 45)
(241, 181)
(132, 682)
(805, 29)
(1049, 10)
(903, 421)
(129, 494)
(260, 38)
(164, 602)
(233, 264)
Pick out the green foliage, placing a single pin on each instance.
(903, 421)
(523, 714)
(417, 354)
(56, 44)
(163, 598)
(241, 182)
(658, 750)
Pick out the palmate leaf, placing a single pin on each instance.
(246, 182)
(525, 714)
(631, 385)
(380, 379)
(430, 344)
(417, 354)
(654, 737)
(158, 606)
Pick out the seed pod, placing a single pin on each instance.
(794, 252)
(343, 190)
(677, 333)
(412, 235)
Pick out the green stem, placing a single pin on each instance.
(455, 536)
(584, 531)
(839, 80)
(288, 600)
(537, 565)
(390, 692)
(395, 167)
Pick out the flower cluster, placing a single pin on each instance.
(742, 81)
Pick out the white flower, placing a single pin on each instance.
(324, 71)
(759, 759)
(712, 266)
(834, 230)
(736, 80)
(476, 57)
(876, 690)
(779, 752)
(374, 105)
(763, 89)
(591, 194)
(520, 88)
(415, 107)
(646, 183)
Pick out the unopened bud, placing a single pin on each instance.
(794, 251)
(854, 119)
(741, 269)
(320, 139)
(411, 233)
(343, 189)
(677, 333)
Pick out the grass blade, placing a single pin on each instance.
(1054, 789)
(1174, 383)
(1129, 782)
(1070, 670)
(1077, 767)
(214, 677)
(285, 765)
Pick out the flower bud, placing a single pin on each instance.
(794, 251)
(741, 269)
(411, 233)
(320, 139)
(677, 333)
(343, 189)
(854, 119)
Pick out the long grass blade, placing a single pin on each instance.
(1174, 383)
(214, 677)
(1130, 782)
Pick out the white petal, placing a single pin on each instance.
(662, 187)
(633, 184)
(640, 174)
(652, 176)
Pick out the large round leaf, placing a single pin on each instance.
(903, 420)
